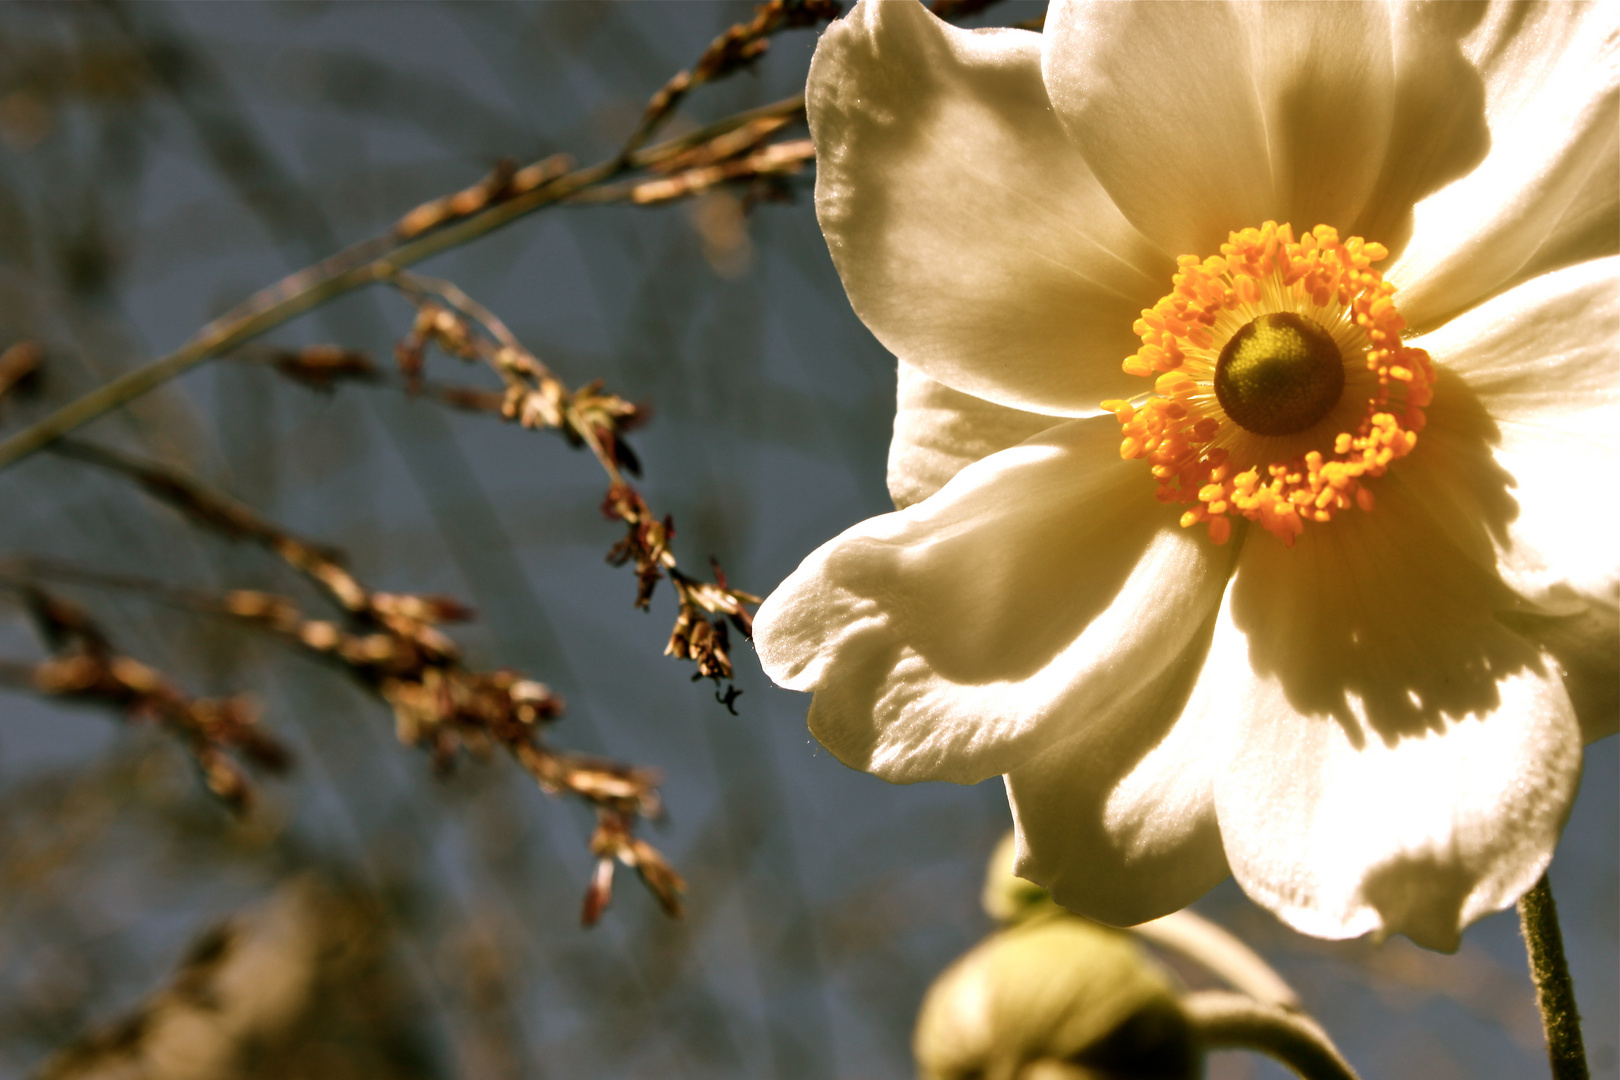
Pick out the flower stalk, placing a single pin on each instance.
(1223, 1020)
(1221, 953)
(1555, 990)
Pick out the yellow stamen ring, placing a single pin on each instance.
(1297, 442)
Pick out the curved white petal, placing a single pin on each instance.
(1549, 191)
(1541, 365)
(1117, 821)
(1586, 644)
(970, 235)
(1039, 590)
(1455, 473)
(1161, 100)
(939, 431)
(1437, 131)
(1399, 760)
(1204, 118)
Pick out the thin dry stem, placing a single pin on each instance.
(392, 645)
(220, 734)
(362, 264)
(534, 397)
(738, 47)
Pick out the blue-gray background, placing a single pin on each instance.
(161, 161)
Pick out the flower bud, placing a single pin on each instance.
(1007, 897)
(1056, 997)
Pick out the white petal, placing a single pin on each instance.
(939, 431)
(1548, 193)
(1455, 473)
(1161, 100)
(970, 235)
(1437, 131)
(1039, 589)
(1204, 118)
(1118, 820)
(1586, 645)
(1400, 760)
(1541, 365)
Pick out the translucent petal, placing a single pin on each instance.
(970, 235)
(1118, 820)
(1204, 118)
(1548, 194)
(1039, 589)
(1541, 368)
(939, 431)
(1399, 760)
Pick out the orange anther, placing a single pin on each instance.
(1191, 446)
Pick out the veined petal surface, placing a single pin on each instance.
(971, 237)
(1203, 118)
(1398, 760)
(1548, 194)
(939, 431)
(1037, 591)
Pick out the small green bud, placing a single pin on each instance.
(1009, 898)
(1056, 997)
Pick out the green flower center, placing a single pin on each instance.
(1279, 375)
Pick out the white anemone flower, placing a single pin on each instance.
(1231, 550)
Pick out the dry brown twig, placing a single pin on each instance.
(495, 201)
(506, 181)
(19, 366)
(535, 398)
(324, 368)
(773, 162)
(436, 227)
(739, 46)
(392, 645)
(589, 417)
(732, 155)
(220, 734)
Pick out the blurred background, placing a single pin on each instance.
(160, 162)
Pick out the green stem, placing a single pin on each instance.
(364, 263)
(1237, 1021)
(1221, 953)
(1555, 990)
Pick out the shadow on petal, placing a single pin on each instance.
(1118, 820)
(1586, 645)
(1389, 620)
(1422, 893)
(970, 235)
(1040, 588)
(1438, 131)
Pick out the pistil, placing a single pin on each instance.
(1279, 374)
